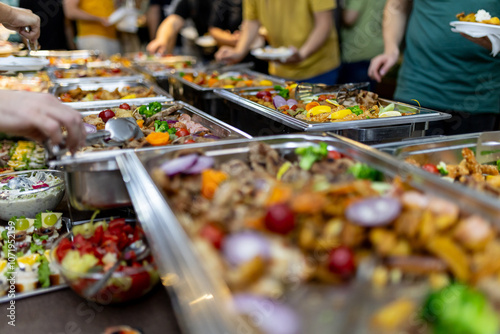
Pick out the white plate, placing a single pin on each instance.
(269, 53)
(206, 41)
(475, 28)
(19, 64)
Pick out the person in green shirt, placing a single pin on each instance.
(361, 36)
(441, 69)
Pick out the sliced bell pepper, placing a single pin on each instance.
(340, 114)
(318, 110)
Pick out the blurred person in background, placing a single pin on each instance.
(166, 36)
(224, 27)
(157, 11)
(305, 25)
(440, 69)
(361, 36)
(56, 31)
(35, 115)
(93, 29)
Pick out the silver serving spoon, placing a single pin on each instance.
(141, 250)
(118, 130)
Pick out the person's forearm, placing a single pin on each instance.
(396, 14)
(72, 12)
(222, 37)
(320, 33)
(168, 31)
(5, 13)
(249, 31)
(153, 20)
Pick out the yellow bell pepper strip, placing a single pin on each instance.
(158, 138)
(265, 83)
(210, 180)
(228, 86)
(318, 110)
(129, 96)
(340, 114)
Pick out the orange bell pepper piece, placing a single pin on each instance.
(210, 180)
(311, 105)
(140, 122)
(158, 138)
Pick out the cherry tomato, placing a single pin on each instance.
(334, 155)
(430, 168)
(58, 74)
(182, 133)
(282, 108)
(280, 219)
(322, 98)
(124, 106)
(212, 234)
(263, 93)
(267, 99)
(106, 115)
(294, 107)
(189, 141)
(116, 70)
(341, 261)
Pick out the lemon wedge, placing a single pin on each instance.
(318, 110)
(3, 264)
(228, 86)
(340, 114)
(389, 114)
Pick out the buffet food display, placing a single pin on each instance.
(321, 232)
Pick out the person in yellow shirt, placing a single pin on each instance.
(305, 25)
(93, 29)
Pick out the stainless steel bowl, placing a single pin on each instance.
(95, 184)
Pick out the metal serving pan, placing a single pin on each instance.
(267, 121)
(65, 54)
(161, 95)
(432, 149)
(201, 298)
(87, 172)
(127, 74)
(204, 98)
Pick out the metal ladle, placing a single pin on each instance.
(141, 250)
(118, 130)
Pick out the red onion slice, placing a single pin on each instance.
(89, 128)
(179, 165)
(376, 211)
(269, 316)
(291, 102)
(279, 101)
(200, 165)
(242, 247)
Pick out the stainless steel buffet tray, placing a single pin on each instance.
(433, 149)
(64, 54)
(202, 298)
(204, 98)
(161, 67)
(366, 131)
(93, 180)
(127, 74)
(161, 95)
